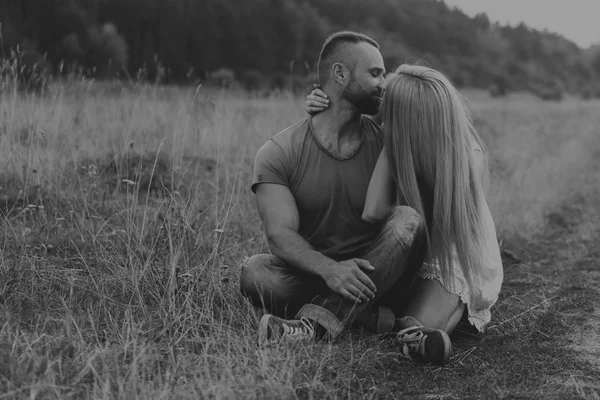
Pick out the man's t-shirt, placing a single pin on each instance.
(330, 192)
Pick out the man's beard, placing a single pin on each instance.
(366, 102)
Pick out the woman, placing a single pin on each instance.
(434, 161)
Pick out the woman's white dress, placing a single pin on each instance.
(484, 296)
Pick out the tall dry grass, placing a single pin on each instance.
(541, 155)
(126, 217)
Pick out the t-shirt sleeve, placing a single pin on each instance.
(271, 165)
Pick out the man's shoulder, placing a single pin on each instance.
(285, 141)
(291, 134)
(274, 161)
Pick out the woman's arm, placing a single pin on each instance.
(380, 194)
(316, 101)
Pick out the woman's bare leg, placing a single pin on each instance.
(433, 306)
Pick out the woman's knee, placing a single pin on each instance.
(455, 318)
(445, 319)
(434, 306)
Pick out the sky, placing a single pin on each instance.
(576, 20)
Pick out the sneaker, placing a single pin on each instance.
(425, 345)
(421, 344)
(272, 329)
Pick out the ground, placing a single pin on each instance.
(126, 215)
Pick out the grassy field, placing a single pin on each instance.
(126, 215)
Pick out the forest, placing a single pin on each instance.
(272, 43)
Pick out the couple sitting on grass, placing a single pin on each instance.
(375, 222)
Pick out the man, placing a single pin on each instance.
(329, 269)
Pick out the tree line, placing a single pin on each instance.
(267, 43)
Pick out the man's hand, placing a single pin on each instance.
(347, 279)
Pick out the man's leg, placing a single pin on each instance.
(270, 284)
(397, 255)
(397, 252)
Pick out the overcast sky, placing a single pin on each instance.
(577, 20)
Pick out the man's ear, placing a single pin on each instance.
(340, 73)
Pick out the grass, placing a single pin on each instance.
(126, 214)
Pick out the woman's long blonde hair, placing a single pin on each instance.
(429, 140)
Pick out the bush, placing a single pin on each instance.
(278, 81)
(293, 83)
(108, 49)
(70, 49)
(300, 84)
(252, 80)
(500, 86)
(547, 92)
(460, 78)
(223, 77)
(591, 91)
(496, 92)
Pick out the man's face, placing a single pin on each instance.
(366, 85)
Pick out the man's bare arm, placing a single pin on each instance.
(277, 208)
(279, 213)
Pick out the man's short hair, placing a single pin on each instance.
(335, 49)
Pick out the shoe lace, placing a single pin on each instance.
(412, 340)
(297, 332)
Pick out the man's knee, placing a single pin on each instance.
(406, 225)
(268, 284)
(253, 273)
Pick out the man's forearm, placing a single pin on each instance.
(297, 252)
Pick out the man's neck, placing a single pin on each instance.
(338, 124)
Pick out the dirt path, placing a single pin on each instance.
(544, 338)
(585, 340)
